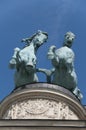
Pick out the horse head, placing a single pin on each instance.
(37, 39)
(69, 38)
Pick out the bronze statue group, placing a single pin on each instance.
(62, 59)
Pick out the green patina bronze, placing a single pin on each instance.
(63, 61)
(24, 60)
(63, 71)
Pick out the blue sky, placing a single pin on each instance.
(22, 18)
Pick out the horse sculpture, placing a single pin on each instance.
(63, 62)
(24, 60)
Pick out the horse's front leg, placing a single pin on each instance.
(77, 93)
(12, 63)
(47, 72)
(51, 52)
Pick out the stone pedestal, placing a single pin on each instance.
(42, 106)
(42, 101)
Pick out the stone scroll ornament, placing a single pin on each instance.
(24, 60)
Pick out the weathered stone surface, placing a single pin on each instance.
(42, 101)
(40, 109)
(42, 124)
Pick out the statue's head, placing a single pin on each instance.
(39, 38)
(69, 38)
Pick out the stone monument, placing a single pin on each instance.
(47, 105)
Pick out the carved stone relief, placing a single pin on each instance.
(40, 109)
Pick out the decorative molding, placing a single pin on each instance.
(40, 109)
(42, 101)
